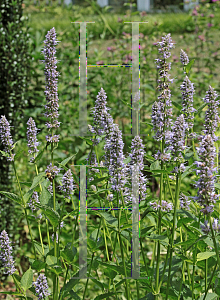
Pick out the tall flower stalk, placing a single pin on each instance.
(161, 119)
(51, 78)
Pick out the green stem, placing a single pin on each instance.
(41, 241)
(178, 179)
(206, 292)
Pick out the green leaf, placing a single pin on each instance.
(204, 255)
(18, 154)
(177, 105)
(39, 155)
(5, 153)
(99, 283)
(66, 160)
(98, 180)
(27, 196)
(52, 215)
(56, 270)
(155, 165)
(110, 273)
(126, 103)
(88, 141)
(200, 109)
(74, 296)
(127, 160)
(161, 238)
(149, 124)
(27, 279)
(45, 196)
(217, 185)
(38, 247)
(189, 66)
(109, 218)
(38, 179)
(91, 244)
(209, 296)
(51, 260)
(116, 268)
(12, 197)
(38, 265)
(68, 253)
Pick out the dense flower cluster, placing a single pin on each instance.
(114, 157)
(206, 193)
(137, 158)
(51, 76)
(100, 113)
(162, 109)
(165, 207)
(184, 57)
(54, 170)
(177, 138)
(5, 254)
(6, 138)
(184, 202)
(211, 117)
(41, 287)
(67, 184)
(32, 138)
(187, 101)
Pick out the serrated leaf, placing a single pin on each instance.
(110, 273)
(56, 270)
(4, 153)
(52, 215)
(37, 180)
(98, 180)
(27, 196)
(12, 196)
(27, 279)
(74, 296)
(38, 265)
(99, 283)
(68, 253)
(161, 238)
(51, 260)
(204, 255)
(66, 160)
(18, 154)
(155, 165)
(200, 109)
(149, 124)
(45, 196)
(109, 218)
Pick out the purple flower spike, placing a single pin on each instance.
(6, 138)
(177, 140)
(41, 287)
(162, 109)
(211, 117)
(33, 200)
(5, 253)
(184, 58)
(205, 228)
(206, 183)
(184, 202)
(32, 138)
(67, 184)
(51, 76)
(187, 101)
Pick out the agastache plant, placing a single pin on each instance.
(51, 78)
(205, 168)
(41, 287)
(6, 254)
(184, 57)
(32, 138)
(67, 186)
(6, 138)
(211, 116)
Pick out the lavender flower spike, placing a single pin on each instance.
(206, 193)
(51, 78)
(211, 117)
(184, 58)
(177, 140)
(67, 184)
(5, 254)
(187, 101)
(6, 138)
(41, 287)
(162, 109)
(31, 138)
